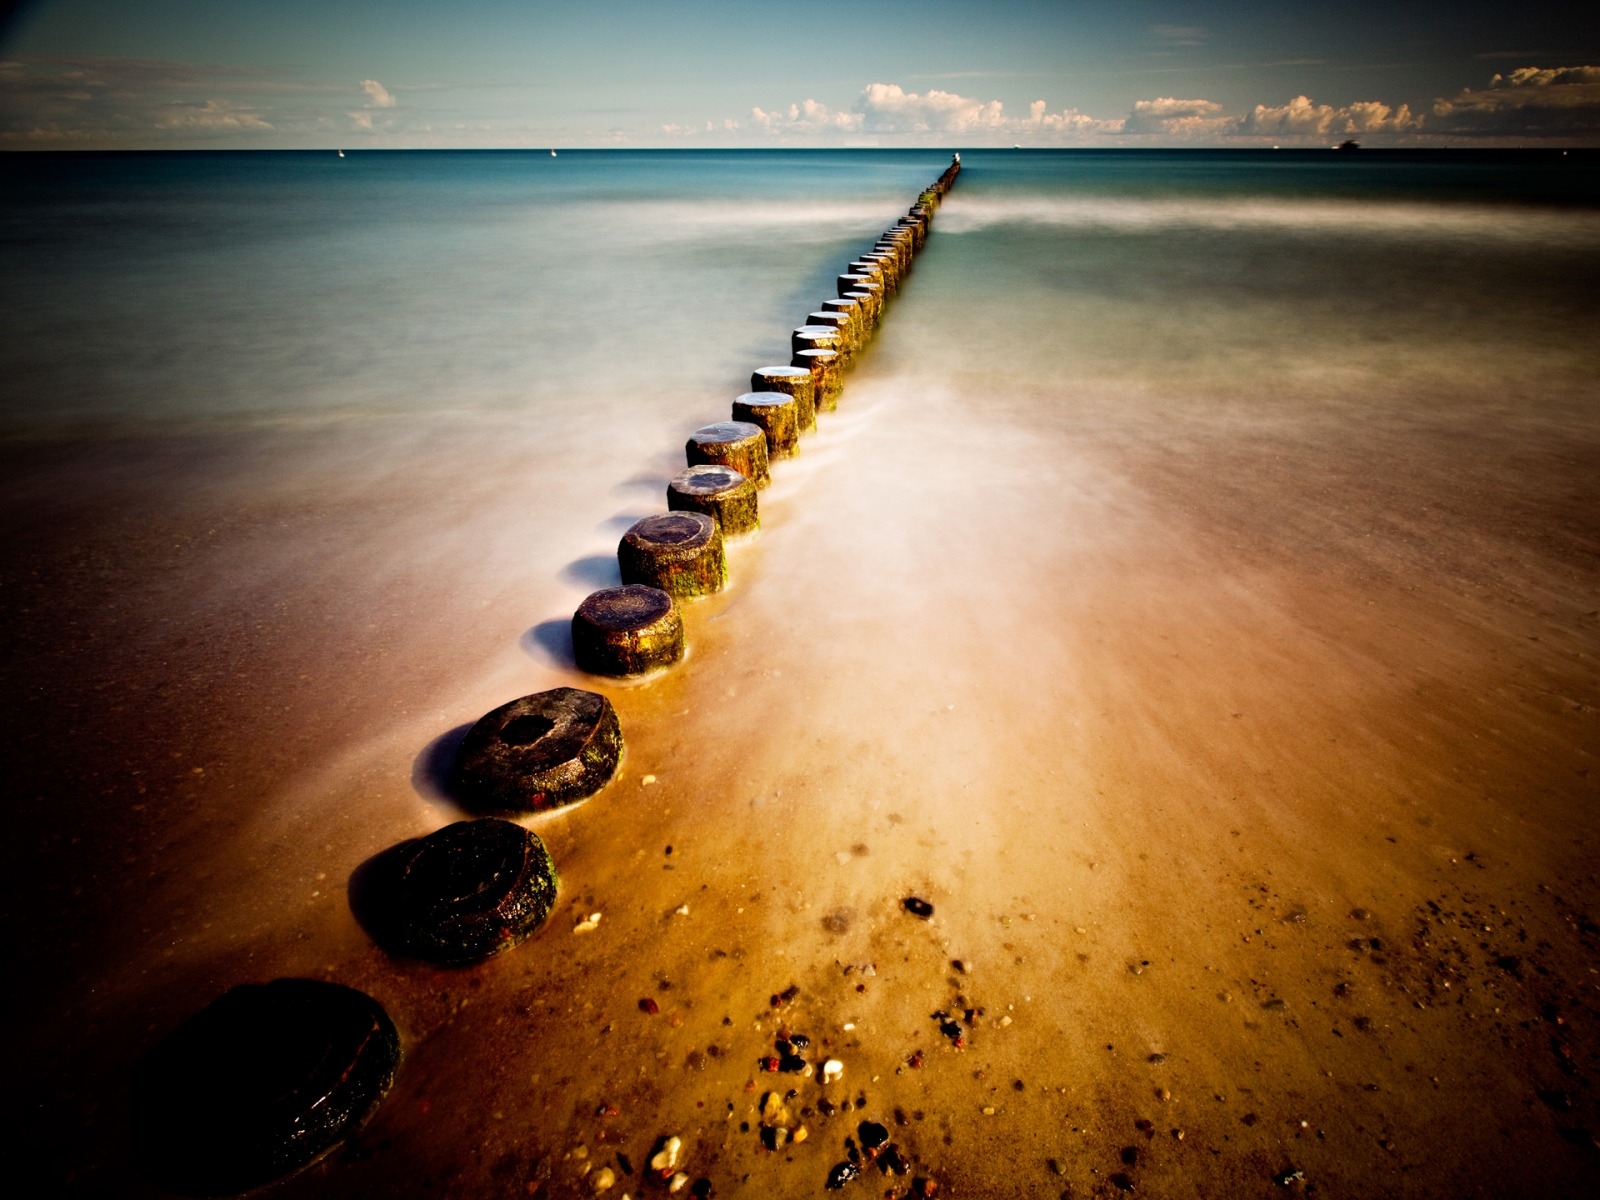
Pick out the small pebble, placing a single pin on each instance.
(647, 780)
(918, 907)
(841, 1174)
(988, 1112)
(678, 1182)
(603, 1179)
(831, 1070)
(588, 925)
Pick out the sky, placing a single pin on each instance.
(84, 74)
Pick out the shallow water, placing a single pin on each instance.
(1204, 552)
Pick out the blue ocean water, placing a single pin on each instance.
(226, 288)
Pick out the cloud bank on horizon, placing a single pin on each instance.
(110, 103)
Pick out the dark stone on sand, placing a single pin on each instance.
(627, 630)
(260, 1082)
(721, 493)
(841, 1174)
(459, 895)
(872, 1134)
(540, 752)
(736, 444)
(678, 552)
(918, 907)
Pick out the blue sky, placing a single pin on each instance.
(187, 73)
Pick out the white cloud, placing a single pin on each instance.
(888, 108)
(361, 120)
(1300, 118)
(1069, 123)
(217, 116)
(377, 95)
(811, 117)
(1172, 117)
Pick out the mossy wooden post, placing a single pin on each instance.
(813, 337)
(540, 752)
(721, 493)
(868, 307)
(626, 630)
(797, 382)
(462, 894)
(852, 309)
(825, 381)
(860, 266)
(736, 444)
(902, 244)
(776, 413)
(847, 334)
(678, 552)
(888, 264)
(257, 1084)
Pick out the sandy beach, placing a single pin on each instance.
(1244, 750)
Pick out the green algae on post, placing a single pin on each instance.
(257, 1084)
(824, 368)
(776, 413)
(721, 493)
(462, 894)
(736, 444)
(814, 337)
(796, 381)
(539, 752)
(626, 630)
(678, 552)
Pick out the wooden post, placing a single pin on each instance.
(720, 492)
(257, 1084)
(678, 552)
(797, 382)
(824, 368)
(462, 894)
(776, 413)
(736, 444)
(626, 630)
(540, 752)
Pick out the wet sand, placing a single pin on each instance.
(1246, 761)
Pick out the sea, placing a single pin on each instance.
(1195, 598)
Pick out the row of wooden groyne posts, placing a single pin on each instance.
(269, 1076)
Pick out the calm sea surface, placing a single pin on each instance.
(288, 287)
